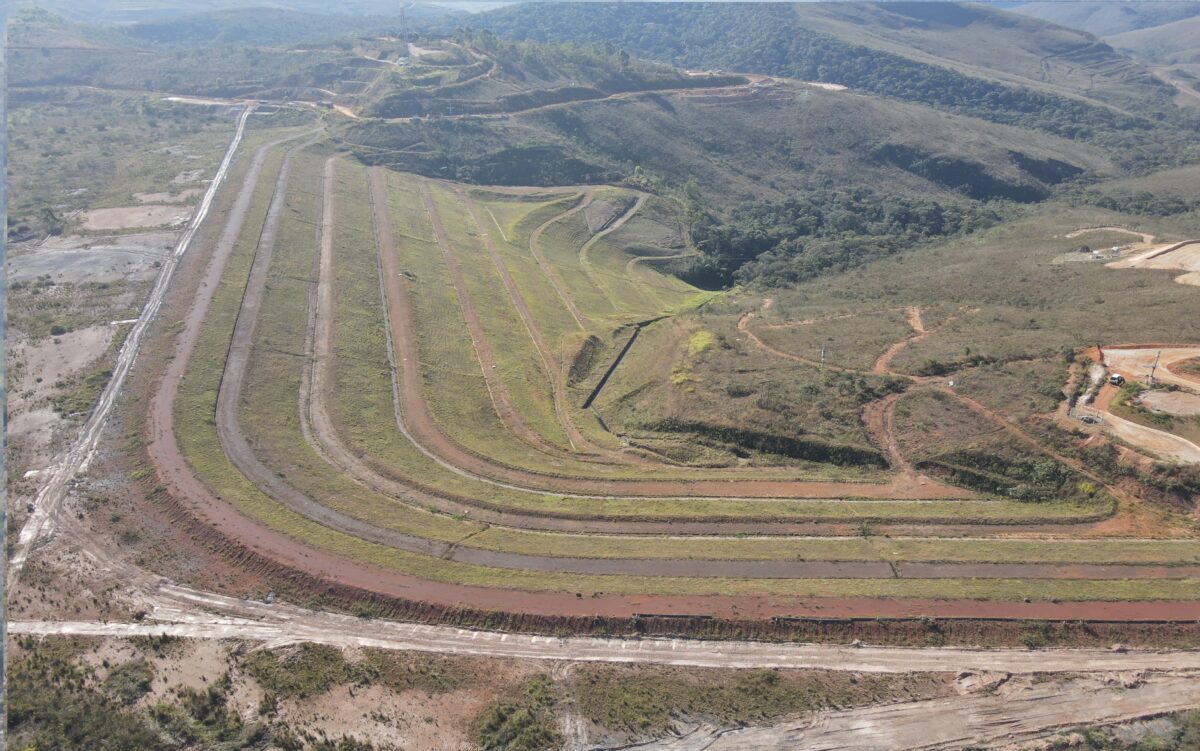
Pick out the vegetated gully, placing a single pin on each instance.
(164, 450)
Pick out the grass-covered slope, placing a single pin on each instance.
(1104, 18)
(778, 39)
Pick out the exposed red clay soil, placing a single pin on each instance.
(1189, 369)
(877, 418)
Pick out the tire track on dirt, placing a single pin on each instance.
(877, 418)
(1007, 712)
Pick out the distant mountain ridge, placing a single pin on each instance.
(1106, 19)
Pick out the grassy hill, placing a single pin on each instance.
(789, 136)
(1173, 42)
(1107, 18)
(987, 43)
(818, 43)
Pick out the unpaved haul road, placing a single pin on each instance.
(179, 611)
(1014, 710)
(77, 458)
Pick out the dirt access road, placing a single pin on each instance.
(179, 611)
(995, 709)
(1158, 442)
(59, 477)
(1005, 695)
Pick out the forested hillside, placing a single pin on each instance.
(777, 40)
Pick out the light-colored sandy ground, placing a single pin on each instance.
(57, 357)
(419, 52)
(1173, 402)
(1011, 710)
(826, 86)
(1166, 445)
(101, 220)
(74, 259)
(180, 197)
(397, 719)
(201, 101)
(34, 428)
(1135, 364)
(52, 360)
(190, 176)
(1146, 238)
(1185, 257)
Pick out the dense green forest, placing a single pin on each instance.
(776, 243)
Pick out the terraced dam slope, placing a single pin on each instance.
(381, 384)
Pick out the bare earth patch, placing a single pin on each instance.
(1173, 402)
(74, 259)
(55, 358)
(41, 364)
(135, 216)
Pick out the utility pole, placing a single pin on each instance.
(822, 354)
